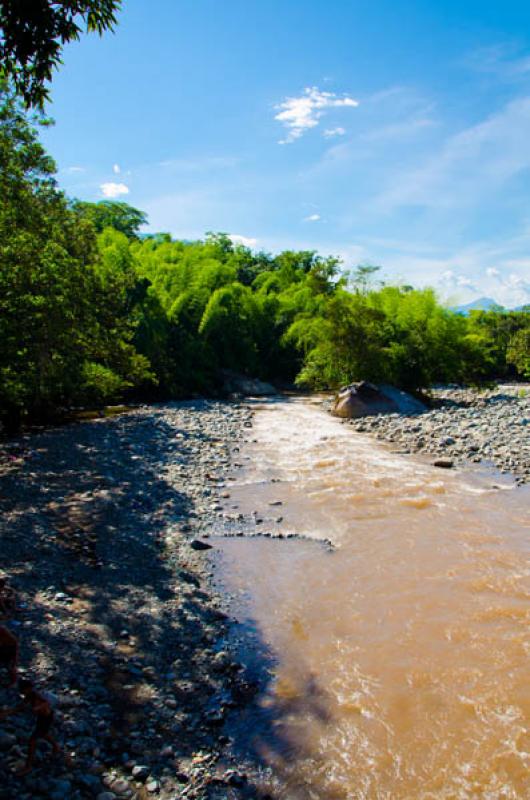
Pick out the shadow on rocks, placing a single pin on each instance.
(113, 622)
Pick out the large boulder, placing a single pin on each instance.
(365, 399)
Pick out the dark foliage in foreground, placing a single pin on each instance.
(33, 33)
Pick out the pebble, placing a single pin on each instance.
(196, 544)
(140, 772)
(444, 463)
(120, 786)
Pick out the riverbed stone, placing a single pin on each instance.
(444, 463)
(197, 544)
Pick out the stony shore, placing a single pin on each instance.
(118, 619)
(488, 427)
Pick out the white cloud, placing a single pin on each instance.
(329, 133)
(116, 169)
(74, 170)
(449, 279)
(114, 189)
(244, 240)
(300, 114)
(460, 275)
(517, 284)
(312, 218)
(514, 288)
(465, 283)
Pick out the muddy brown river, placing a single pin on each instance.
(401, 659)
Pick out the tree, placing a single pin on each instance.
(493, 331)
(229, 327)
(65, 310)
(518, 352)
(33, 33)
(112, 214)
(362, 277)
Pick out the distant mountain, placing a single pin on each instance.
(480, 304)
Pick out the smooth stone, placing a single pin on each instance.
(140, 772)
(197, 544)
(444, 463)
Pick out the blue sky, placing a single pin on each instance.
(395, 133)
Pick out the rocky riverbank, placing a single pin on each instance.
(490, 427)
(117, 618)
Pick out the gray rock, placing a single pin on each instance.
(444, 463)
(141, 772)
(197, 544)
(365, 399)
(120, 786)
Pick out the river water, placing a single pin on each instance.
(401, 658)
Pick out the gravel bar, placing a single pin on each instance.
(117, 618)
(491, 427)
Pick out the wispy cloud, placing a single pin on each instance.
(398, 130)
(461, 274)
(247, 241)
(503, 60)
(471, 163)
(116, 169)
(74, 170)
(512, 283)
(112, 190)
(300, 114)
(451, 280)
(329, 133)
(312, 218)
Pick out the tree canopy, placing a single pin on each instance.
(112, 214)
(66, 316)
